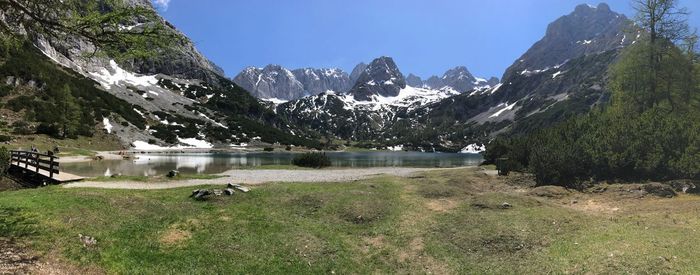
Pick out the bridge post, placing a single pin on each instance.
(36, 162)
(51, 167)
(26, 160)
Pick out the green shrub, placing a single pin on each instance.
(4, 160)
(268, 149)
(312, 160)
(15, 223)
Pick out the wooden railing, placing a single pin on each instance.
(35, 162)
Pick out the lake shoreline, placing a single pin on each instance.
(258, 177)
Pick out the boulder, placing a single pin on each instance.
(659, 190)
(229, 192)
(239, 187)
(173, 173)
(549, 191)
(200, 194)
(684, 186)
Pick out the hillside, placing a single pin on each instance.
(178, 99)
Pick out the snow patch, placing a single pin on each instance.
(473, 149)
(120, 76)
(275, 100)
(196, 143)
(507, 108)
(107, 125)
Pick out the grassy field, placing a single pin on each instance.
(81, 146)
(451, 221)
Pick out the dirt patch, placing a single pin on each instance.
(437, 190)
(364, 211)
(373, 244)
(441, 205)
(503, 244)
(595, 206)
(178, 233)
(15, 259)
(313, 249)
(174, 236)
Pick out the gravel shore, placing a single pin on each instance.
(253, 177)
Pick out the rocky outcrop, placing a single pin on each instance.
(414, 81)
(587, 30)
(316, 81)
(270, 82)
(277, 82)
(356, 72)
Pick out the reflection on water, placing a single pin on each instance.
(209, 163)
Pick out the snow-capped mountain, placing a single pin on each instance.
(381, 78)
(277, 83)
(551, 82)
(378, 99)
(562, 75)
(587, 30)
(458, 79)
(174, 99)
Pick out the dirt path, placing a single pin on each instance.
(252, 177)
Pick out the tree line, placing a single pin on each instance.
(649, 131)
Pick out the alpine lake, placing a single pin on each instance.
(160, 163)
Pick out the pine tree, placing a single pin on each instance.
(69, 116)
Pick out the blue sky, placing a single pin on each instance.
(424, 37)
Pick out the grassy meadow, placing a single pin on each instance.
(447, 222)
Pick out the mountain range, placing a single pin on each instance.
(181, 99)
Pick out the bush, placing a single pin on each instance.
(268, 149)
(312, 160)
(4, 160)
(22, 128)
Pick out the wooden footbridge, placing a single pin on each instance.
(38, 168)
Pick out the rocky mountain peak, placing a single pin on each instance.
(380, 78)
(277, 82)
(414, 81)
(357, 71)
(459, 72)
(587, 30)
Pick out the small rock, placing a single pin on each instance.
(87, 240)
(506, 205)
(229, 191)
(218, 192)
(173, 173)
(239, 187)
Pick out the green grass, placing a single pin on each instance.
(81, 146)
(381, 225)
